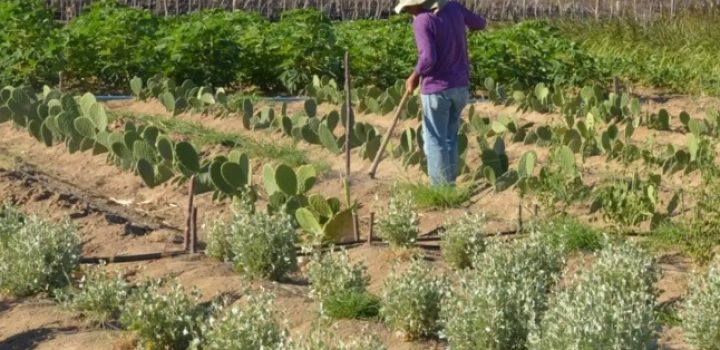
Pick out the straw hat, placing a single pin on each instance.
(429, 4)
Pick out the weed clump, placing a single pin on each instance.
(35, 256)
(609, 306)
(249, 325)
(260, 245)
(463, 240)
(99, 296)
(497, 304)
(399, 226)
(571, 234)
(163, 320)
(701, 314)
(412, 299)
(341, 287)
(437, 197)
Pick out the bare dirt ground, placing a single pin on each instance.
(116, 215)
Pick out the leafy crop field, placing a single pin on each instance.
(586, 214)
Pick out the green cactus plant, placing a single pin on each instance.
(187, 158)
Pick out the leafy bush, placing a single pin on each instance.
(99, 296)
(259, 244)
(110, 43)
(162, 320)
(305, 43)
(411, 300)
(571, 234)
(320, 338)
(30, 43)
(609, 306)
(399, 226)
(340, 287)
(369, 60)
(701, 315)
(463, 240)
(247, 326)
(211, 47)
(529, 53)
(496, 305)
(35, 256)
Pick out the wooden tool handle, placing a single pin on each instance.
(398, 113)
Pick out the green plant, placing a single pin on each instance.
(162, 319)
(571, 234)
(35, 255)
(412, 299)
(341, 287)
(399, 226)
(559, 181)
(478, 314)
(701, 314)
(609, 306)
(249, 325)
(628, 202)
(31, 43)
(109, 43)
(463, 240)
(261, 245)
(98, 296)
(322, 337)
(437, 197)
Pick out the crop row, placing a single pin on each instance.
(107, 45)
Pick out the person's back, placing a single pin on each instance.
(442, 46)
(439, 28)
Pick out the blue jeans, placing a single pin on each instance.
(441, 121)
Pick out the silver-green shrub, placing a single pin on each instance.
(35, 256)
(412, 299)
(261, 245)
(163, 318)
(463, 240)
(249, 325)
(321, 337)
(399, 226)
(701, 314)
(497, 304)
(609, 306)
(333, 274)
(99, 296)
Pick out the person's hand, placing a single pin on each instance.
(412, 83)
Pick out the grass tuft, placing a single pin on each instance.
(436, 197)
(352, 305)
(572, 235)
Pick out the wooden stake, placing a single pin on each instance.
(188, 225)
(520, 218)
(372, 228)
(348, 115)
(193, 236)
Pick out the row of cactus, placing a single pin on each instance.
(368, 99)
(178, 99)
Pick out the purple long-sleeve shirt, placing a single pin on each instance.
(442, 47)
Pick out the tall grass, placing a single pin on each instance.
(678, 53)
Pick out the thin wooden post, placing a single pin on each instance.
(372, 228)
(193, 235)
(348, 115)
(190, 212)
(520, 218)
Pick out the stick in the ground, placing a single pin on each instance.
(398, 113)
(188, 226)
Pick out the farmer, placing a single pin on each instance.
(439, 27)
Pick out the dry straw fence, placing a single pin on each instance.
(355, 9)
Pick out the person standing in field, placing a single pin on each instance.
(440, 36)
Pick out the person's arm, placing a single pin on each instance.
(473, 21)
(427, 55)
